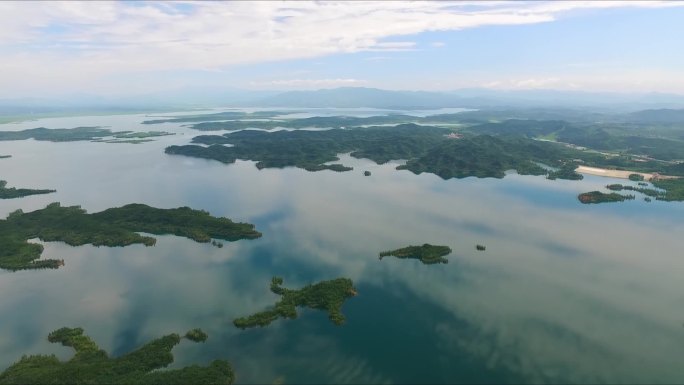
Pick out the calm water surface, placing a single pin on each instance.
(564, 292)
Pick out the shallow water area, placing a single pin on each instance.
(564, 292)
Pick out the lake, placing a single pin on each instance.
(564, 292)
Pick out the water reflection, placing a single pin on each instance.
(563, 293)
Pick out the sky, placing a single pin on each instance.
(137, 47)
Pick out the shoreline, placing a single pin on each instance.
(621, 174)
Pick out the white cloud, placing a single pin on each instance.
(71, 44)
(438, 44)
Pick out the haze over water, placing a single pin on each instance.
(565, 292)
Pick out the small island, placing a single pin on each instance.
(480, 247)
(91, 365)
(112, 227)
(367, 173)
(325, 295)
(196, 335)
(12, 192)
(427, 253)
(600, 197)
(5, 156)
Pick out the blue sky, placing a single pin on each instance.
(139, 47)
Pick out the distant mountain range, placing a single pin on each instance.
(347, 97)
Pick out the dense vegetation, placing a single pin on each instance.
(427, 148)
(91, 365)
(600, 197)
(427, 253)
(5, 156)
(12, 192)
(112, 227)
(566, 171)
(311, 149)
(668, 189)
(325, 295)
(77, 134)
(196, 335)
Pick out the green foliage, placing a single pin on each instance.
(5, 156)
(325, 295)
(12, 192)
(311, 149)
(75, 134)
(427, 253)
(567, 171)
(636, 177)
(196, 335)
(427, 149)
(480, 248)
(600, 197)
(91, 365)
(674, 189)
(112, 227)
(486, 156)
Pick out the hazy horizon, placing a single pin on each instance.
(52, 49)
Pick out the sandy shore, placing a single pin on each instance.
(611, 173)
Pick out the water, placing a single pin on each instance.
(564, 292)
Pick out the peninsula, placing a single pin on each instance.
(427, 253)
(91, 365)
(325, 295)
(12, 192)
(97, 134)
(112, 227)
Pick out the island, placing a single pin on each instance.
(95, 134)
(427, 253)
(112, 227)
(427, 148)
(91, 365)
(367, 173)
(5, 156)
(566, 172)
(12, 192)
(480, 247)
(325, 295)
(196, 335)
(600, 197)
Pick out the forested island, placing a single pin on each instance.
(91, 365)
(12, 192)
(96, 134)
(669, 189)
(427, 148)
(196, 335)
(427, 253)
(600, 197)
(325, 295)
(112, 227)
(5, 156)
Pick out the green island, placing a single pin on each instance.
(95, 134)
(112, 227)
(480, 247)
(670, 189)
(196, 335)
(5, 156)
(12, 192)
(428, 149)
(600, 197)
(427, 253)
(91, 365)
(325, 295)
